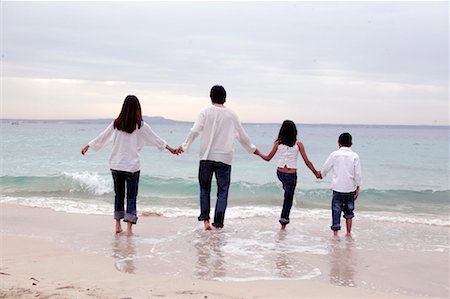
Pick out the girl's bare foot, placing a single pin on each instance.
(283, 226)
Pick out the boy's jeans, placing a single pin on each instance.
(205, 173)
(342, 202)
(289, 181)
(132, 181)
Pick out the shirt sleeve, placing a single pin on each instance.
(327, 166)
(196, 129)
(243, 138)
(103, 139)
(358, 174)
(150, 138)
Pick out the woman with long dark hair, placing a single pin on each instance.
(288, 147)
(128, 133)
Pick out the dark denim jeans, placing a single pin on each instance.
(131, 179)
(342, 202)
(289, 181)
(205, 173)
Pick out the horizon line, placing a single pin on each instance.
(249, 123)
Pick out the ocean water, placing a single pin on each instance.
(405, 171)
(402, 213)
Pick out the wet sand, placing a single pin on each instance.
(59, 255)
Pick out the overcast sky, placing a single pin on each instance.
(312, 62)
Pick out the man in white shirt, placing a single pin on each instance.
(219, 127)
(346, 180)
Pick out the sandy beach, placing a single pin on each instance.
(48, 254)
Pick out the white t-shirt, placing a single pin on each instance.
(346, 169)
(219, 127)
(126, 146)
(287, 156)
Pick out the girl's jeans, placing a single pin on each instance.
(289, 181)
(131, 179)
(205, 173)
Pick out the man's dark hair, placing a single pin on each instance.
(218, 94)
(345, 139)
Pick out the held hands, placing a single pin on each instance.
(84, 149)
(176, 151)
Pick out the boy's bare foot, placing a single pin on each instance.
(207, 225)
(349, 236)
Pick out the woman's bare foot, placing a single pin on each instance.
(118, 227)
(129, 229)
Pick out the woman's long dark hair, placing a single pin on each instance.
(288, 133)
(130, 116)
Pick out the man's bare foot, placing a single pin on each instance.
(207, 225)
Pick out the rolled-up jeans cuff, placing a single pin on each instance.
(130, 218)
(283, 221)
(119, 215)
(335, 227)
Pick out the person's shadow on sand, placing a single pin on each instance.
(342, 263)
(124, 251)
(210, 258)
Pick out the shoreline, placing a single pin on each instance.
(54, 254)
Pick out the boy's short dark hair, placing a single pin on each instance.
(218, 94)
(345, 139)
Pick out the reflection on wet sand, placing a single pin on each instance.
(283, 260)
(124, 251)
(210, 257)
(342, 262)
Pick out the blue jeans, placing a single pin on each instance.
(289, 181)
(131, 179)
(205, 173)
(342, 202)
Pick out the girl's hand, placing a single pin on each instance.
(84, 149)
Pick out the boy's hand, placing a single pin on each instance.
(356, 193)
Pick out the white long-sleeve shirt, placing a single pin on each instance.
(346, 169)
(219, 127)
(126, 146)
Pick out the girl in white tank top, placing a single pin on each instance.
(288, 148)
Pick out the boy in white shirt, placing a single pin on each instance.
(346, 181)
(219, 127)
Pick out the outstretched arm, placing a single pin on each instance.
(269, 156)
(308, 163)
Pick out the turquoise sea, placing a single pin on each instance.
(401, 219)
(405, 171)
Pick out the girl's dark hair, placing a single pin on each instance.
(130, 116)
(288, 133)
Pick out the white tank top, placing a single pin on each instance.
(287, 156)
